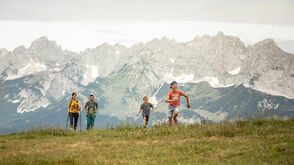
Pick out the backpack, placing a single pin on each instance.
(92, 109)
(71, 103)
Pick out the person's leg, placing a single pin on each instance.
(92, 121)
(88, 121)
(144, 120)
(170, 121)
(147, 119)
(76, 118)
(170, 114)
(71, 121)
(74, 121)
(176, 115)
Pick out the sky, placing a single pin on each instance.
(80, 24)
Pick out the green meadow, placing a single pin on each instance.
(259, 141)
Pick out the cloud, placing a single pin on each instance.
(286, 45)
(95, 11)
(79, 36)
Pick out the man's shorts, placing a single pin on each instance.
(144, 115)
(172, 110)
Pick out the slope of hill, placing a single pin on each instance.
(240, 142)
(212, 104)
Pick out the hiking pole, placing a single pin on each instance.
(81, 121)
(66, 121)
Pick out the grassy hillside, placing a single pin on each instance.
(240, 142)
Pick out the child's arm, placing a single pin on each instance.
(139, 112)
(153, 109)
(187, 98)
(168, 100)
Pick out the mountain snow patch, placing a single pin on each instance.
(6, 96)
(267, 104)
(15, 101)
(268, 91)
(31, 101)
(235, 71)
(32, 67)
(172, 60)
(184, 78)
(217, 116)
(90, 75)
(153, 100)
(189, 120)
(56, 69)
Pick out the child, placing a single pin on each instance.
(173, 98)
(91, 107)
(146, 110)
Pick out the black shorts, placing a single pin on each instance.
(147, 117)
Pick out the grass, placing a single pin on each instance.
(240, 142)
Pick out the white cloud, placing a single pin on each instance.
(79, 36)
(246, 11)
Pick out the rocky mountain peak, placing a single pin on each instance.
(220, 34)
(44, 43)
(196, 38)
(19, 50)
(119, 46)
(3, 52)
(164, 38)
(267, 43)
(104, 45)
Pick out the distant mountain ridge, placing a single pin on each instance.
(41, 78)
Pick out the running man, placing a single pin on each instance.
(173, 98)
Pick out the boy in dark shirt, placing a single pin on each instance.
(145, 107)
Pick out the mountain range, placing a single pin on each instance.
(225, 79)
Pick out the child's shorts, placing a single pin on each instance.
(172, 110)
(147, 117)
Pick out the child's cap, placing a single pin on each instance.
(172, 83)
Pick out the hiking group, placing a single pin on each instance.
(91, 107)
(74, 108)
